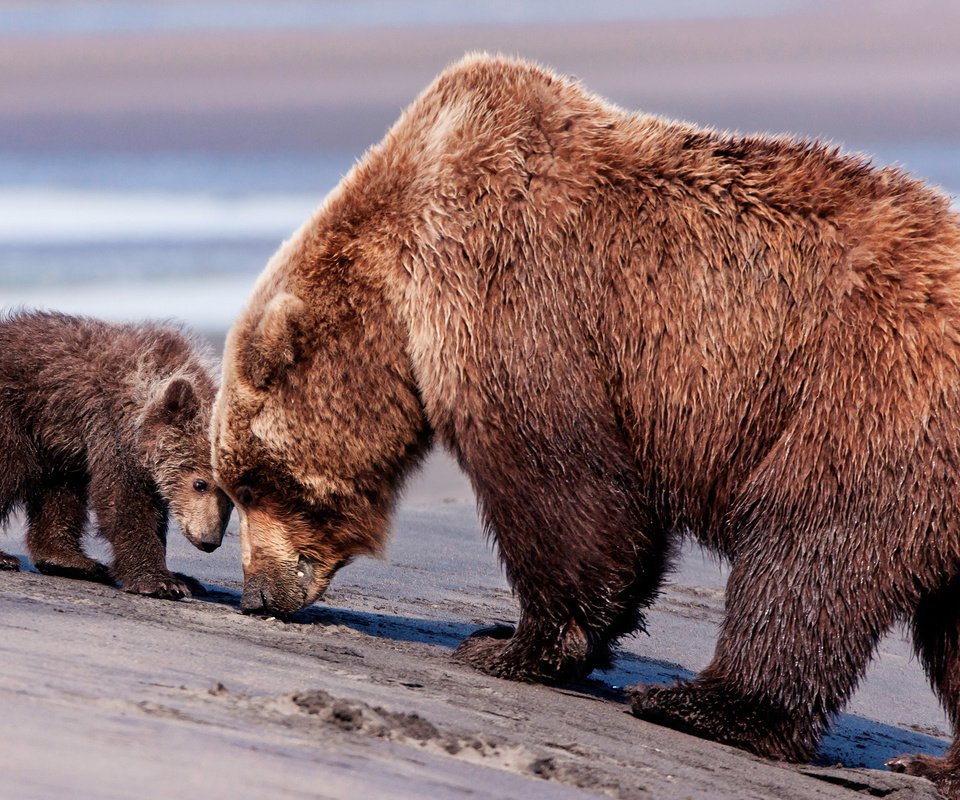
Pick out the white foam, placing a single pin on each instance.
(209, 304)
(60, 216)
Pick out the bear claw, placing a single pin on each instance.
(919, 765)
(194, 587)
(498, 651)
(716, 713)
(482, 649)
(486, 650)
(167, 587)
(9, 563)
(937, 770)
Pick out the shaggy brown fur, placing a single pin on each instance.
(626, 329)
(116, 417)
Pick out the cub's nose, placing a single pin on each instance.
(210, 540)
(256, 597)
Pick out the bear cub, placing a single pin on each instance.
(113, 418)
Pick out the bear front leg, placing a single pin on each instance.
(798, 634)
(56, 515)
(579, 547)
(936, 639)
(133, 519)
(18, 469)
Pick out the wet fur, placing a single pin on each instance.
(629, 329)
(114, 418)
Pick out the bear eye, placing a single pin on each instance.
(244, 495)
(200, 485)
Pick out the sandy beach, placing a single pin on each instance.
(139, 147)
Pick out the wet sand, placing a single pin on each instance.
(105, 694)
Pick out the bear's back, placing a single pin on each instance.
(68, 377)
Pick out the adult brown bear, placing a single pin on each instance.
(627, 329)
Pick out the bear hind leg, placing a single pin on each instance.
(57, 514)
(794, 643)
(936, 638)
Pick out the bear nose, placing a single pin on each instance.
(256, 597)
(210, 540)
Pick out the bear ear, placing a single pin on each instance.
(177, 404)
(277, 340)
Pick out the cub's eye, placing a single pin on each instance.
(200, 485)
(244, 495)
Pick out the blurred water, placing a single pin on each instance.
(183, 235)
(228, 173)
(173, 235)
(84, 18)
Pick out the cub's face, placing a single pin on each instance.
(200, 507)
(176, 432)
(313, 427)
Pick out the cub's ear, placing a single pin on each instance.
(177, 403)
(278, 340)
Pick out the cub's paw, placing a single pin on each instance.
(164, 587)
(9, 563)
(195, 588)
(81, 568)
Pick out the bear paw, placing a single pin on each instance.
(919, 765)
(194, 587)
(499, 651)
(944, 777)
(165, 587)
(9, 563)
(713, 712)
(81, 568)
(486, 651)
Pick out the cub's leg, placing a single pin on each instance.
(804, 614)
(133, 518)
(936, 637)
(581, 550)
(57, 514)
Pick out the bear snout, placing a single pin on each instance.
(212, 538)
(256, 597)
(207, 540)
